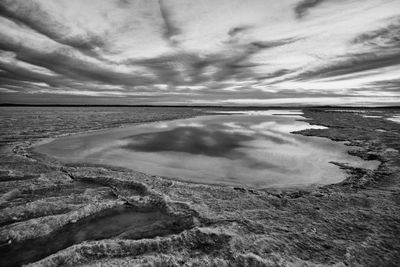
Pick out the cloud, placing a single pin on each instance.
(386, 86)
(30, 14)
(387, 37)
(352, 64)
(237, 30)
(172, 51)
(304, 6)
(376, 50)
(170, 29)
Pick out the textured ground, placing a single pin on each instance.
(44, 203)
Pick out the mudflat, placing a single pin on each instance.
(111, 216)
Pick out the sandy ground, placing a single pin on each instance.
(353, 223)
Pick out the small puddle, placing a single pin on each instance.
(106, 224)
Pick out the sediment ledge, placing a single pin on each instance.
(353, 223)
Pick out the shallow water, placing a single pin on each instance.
(253, 148)
(106, 224)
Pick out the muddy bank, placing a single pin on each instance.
(352, 223)
(120, 222)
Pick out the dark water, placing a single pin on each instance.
(255, 148)
(107, 224)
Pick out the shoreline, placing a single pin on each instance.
(31, 149)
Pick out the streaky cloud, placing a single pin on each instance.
(304, 6)
(170, 29)
(30, 14)
(172, 51)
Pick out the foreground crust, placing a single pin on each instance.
(84, 215)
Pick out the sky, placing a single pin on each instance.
(200, 52)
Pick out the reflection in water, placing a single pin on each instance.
(255, 149)
(192, 140)
(395, 118)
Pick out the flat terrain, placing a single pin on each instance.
(54, 214)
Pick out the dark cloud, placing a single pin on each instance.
(31, 15)
(237, 30)
(353, 64)
(274, 74)
(168, 69)
(383, 50)
(271, 44)
(193, 69)
(170, 29)
(50, 98)
(302, 8)
(385, 38)
(14, 72)
(239, 65)
(177, 69)
(123, 3)
(63, 61)
(387, 85)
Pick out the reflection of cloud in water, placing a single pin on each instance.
(395, 118)
(240, 130)
(191, 140)
(371, 116)
(217, 140)
(266, 145)
(161, 125)
(190, 124)
(232, 125)
(286, 113)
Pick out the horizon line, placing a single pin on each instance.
(197, 106)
